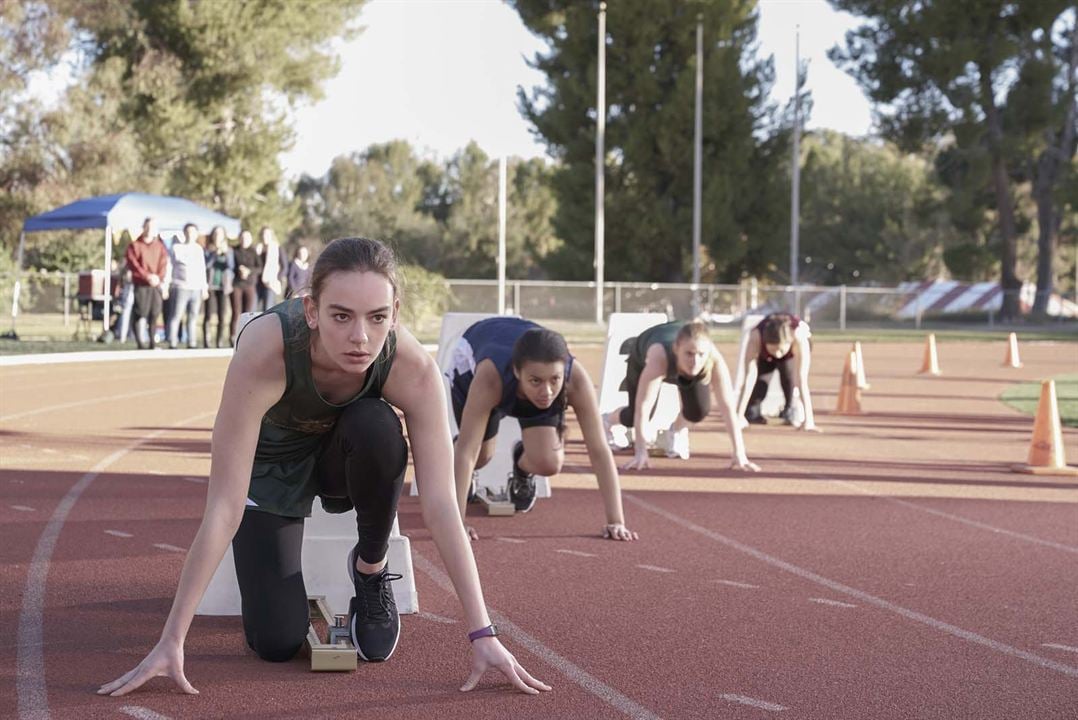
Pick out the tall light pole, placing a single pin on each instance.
(697, 168)
(501, 237)
(600, 165)
(795, 188)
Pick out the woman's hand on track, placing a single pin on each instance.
(639, 461)
(618, 531)
(166, 659)
(472, 534)
(488, 653)
(746, 465)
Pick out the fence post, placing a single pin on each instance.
(754, 293)
(617, 297)
(67, 298)
(842, 307)
(917, 311)
(516, 297)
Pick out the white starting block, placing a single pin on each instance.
(492, 476)
(774, 401)
(620, 327)
(327, 540)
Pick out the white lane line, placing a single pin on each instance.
(170, 548)
(22, 508)
(108, 399)
(516, 541)
(854, 592)
(734, 583)
(50, 451)
(753, 702)
(142, 713)
(593, 685)
(156, 472)
(119, 533)
(32, 694)
(958, 518)
(577, 553)
(1057, 646)
(655, 568)
(436, 618)
(200, 481)
(836, 603)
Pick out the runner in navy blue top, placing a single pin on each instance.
(510, 367)
(779, 343)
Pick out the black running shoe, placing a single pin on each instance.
(372, 614)
(521, 484)
(754, 416)
(788, 415)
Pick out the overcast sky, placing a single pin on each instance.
(439, 73)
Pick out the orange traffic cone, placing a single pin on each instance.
(862, 381)
(849, 394)
(1046, 447)
(930, 364)
(1011, 359)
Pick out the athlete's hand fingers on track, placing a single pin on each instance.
(122, 680)
(134, 683)
(185, 685)
(528, 678)
(510, 672)
(472, 680)
(472, 534)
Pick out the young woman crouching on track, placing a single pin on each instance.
(506, 366)
(780, 343)
(683, 355)
(305, 411)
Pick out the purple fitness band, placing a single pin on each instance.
(488, 631)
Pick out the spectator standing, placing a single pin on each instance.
(220, 267)
(299, 271)
(274, 269)
(147, 258)
(248, 266)
(189, 286)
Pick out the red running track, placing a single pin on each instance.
(891, 567)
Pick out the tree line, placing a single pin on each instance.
(973, 172)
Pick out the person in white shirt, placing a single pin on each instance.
(188, 285)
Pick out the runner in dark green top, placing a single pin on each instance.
(683, 355)
(326, 390)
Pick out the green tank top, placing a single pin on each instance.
(664, 335)
(282, 478)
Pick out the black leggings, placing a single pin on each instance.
(694, 394)
(216, 303)
(363, 460)
(764, 368)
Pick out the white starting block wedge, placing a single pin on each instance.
(492, 477)
(327, 540)
(620, 327)
(774, 401)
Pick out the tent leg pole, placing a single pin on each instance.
(106, 311)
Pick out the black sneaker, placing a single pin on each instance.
(754, 416)
(521, 484)
(788, 415)
(372, 615)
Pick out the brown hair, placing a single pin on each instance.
(779, 330)
(692, 331)
(354, 255)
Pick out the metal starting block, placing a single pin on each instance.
(337, 654)
(496, 502)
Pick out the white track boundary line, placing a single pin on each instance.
(104, 399)
(958, 518)
(30, 688)
(142, 713)
(753, 702)
(578, 675)
(953, 630)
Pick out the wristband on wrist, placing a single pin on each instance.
(488, 631)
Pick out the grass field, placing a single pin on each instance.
(1024, 397)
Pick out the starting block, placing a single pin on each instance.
(490, 480)
(621, 327)
(327, 540)
(774, 401)
(337, 653)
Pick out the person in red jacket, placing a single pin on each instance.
(147, 258)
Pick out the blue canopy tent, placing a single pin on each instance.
(125, 211)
